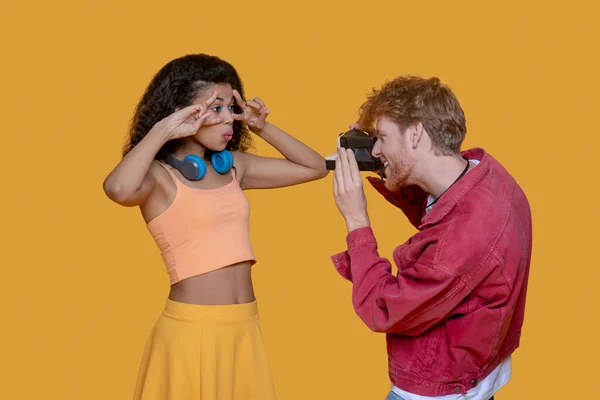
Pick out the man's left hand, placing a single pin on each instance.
(348, 191)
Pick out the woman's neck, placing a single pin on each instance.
(189, 146)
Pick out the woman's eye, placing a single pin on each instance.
(217, 109)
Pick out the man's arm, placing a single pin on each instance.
(417, 298)
(408, 304)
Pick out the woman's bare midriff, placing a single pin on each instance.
(228, 285)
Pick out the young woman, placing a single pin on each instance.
(186, 167)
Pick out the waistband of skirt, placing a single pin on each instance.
(220, 312)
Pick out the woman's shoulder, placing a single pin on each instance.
(242, 160)
(162, 175)
(163, 192)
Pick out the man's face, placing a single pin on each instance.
(391, 148)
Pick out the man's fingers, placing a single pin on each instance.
(353, 167)
(337, 175)
(345, 167)
(335, 187)
(369, 129)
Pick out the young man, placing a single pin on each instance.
(454, 312)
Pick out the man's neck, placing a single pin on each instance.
(438, 173)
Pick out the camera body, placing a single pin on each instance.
(361, 145)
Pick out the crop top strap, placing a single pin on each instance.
(234, 173)
(168, 170)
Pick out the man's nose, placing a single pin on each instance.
(376, 151)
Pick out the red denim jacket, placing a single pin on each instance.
(456, 307)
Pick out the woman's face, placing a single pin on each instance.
(215, 136)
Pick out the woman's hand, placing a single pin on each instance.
(254, 112)
(188, 120)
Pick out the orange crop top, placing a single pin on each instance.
(203, 229)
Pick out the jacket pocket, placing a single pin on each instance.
(415, 353)
(428, 347)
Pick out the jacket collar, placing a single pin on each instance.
(456, 192)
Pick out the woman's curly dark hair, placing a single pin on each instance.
(175, 86)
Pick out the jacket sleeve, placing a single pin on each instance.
(410, 200)
(408, 303)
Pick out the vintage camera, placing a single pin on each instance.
(362, 145)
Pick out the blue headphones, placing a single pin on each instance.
(194, 168)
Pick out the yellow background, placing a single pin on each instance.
(82, 281)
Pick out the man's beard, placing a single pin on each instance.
(399, 171)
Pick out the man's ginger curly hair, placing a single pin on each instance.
(407, 100)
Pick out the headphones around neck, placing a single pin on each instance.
(193, 167)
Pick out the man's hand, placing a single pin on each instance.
(348, 191)
(369, 129)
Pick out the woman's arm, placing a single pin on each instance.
(129, 184)
(301, 163)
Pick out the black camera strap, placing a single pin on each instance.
(406, 197)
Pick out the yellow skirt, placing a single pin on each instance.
(205, 352)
